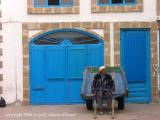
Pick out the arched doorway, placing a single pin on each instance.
(57, 62)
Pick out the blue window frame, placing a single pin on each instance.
(53, 3)
(116, 2)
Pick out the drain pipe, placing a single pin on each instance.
(17, 102)
(15, 68)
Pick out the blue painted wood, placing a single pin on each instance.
(55, 75)
(37, 77)
(60, 3)
(136, 63)
(76, 63)
(136, 94)
(68, 2)
(39, 3)
(135, 85)
(57, 70)
(138, 100)
(95, 56)
(132, 90)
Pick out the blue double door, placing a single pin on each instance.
(56, 71)
(135, 60)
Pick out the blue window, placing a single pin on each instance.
(116, 2)
(53, 3)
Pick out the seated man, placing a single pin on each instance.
(103, 88)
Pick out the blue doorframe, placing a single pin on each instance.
(56, 70)
(128, 45)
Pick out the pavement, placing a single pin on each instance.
(77, 112)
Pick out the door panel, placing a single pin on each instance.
(37, 77)
(55, 71)
(77, 61)
(135, 55)
(55, 60)
(134, 59)
(95, 56)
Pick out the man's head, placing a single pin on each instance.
(102, 69)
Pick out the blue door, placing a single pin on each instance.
(135, 60)
(56, 70)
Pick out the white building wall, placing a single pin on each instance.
(14, 13)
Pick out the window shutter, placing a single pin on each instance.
(53, 2)
(117, 1)
(40, 3)
(129, 1)
(66, 2)
(103, 1)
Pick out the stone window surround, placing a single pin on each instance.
(154, 51)
(86, 26)
(94, 25)
(58, 10)
(127, 8)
